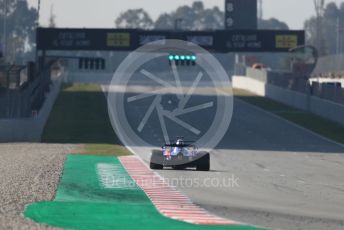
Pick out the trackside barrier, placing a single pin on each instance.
(30, 129)
(324, 108)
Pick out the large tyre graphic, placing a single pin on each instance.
(157, 160)
(147, 95)
(204, 162)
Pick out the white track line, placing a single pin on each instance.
(169, 202)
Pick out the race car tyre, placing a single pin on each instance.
(157, 159)
(203, 163)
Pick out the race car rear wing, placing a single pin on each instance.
(187, 144)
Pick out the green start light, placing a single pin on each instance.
(173, 57)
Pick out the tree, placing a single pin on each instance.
(195, 17)
(134, 19)
(213, 18)
(21, 24)
(332, 27)
(165, 21)
(310, 26)
(10, 5)
(272, 24)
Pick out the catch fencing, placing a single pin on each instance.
(330, 65)
(325, 85)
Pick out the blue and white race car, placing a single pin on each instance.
(180, 155)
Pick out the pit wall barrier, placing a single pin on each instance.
(324, 108)
(31, 129)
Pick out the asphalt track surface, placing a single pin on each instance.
(288, 178)
(265, 171)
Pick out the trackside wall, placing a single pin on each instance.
(321, 107)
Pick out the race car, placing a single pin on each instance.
(180, 155)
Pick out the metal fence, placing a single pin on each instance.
(332, 91)
(327, 79)
(325, 85)
(330, 65)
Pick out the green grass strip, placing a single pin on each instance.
(317, 124)
(80, 116)
(82, 202)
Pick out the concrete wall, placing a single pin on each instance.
(30, 129)
(286, 80)
(257, 74)
(321, 107)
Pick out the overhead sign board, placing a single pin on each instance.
(201, 40)
(120, 39)
(261, 40)
(286, 41)
(84, 39)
